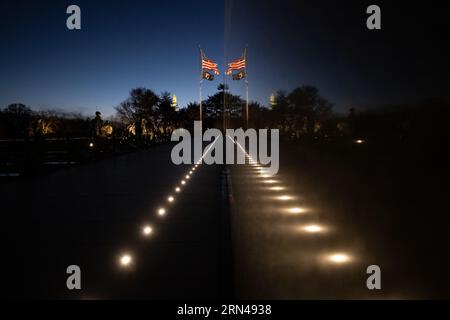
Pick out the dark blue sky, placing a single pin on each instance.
(326, 43)
(127, 44)
(122, 44)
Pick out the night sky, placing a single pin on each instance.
(127, 44)
(122, 45)
(326, 43)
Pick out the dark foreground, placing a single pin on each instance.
(90, 215)
(348, 206)
(310, 232)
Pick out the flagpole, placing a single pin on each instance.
(200, 84)
(224, 92)
(246, 86)
(246, 103)
(227, 14)
(200, 93)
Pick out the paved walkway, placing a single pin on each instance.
(286, 238)
(92, 215)
(286, 247)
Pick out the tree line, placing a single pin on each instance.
(147, 117)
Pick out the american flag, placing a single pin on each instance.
(209, 65)
(238, 64)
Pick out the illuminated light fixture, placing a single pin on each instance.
(171, 199)
(296, 210)
(360, 141)
(277, 188)
(147, 230)
(177, 189)
(338, 258)
(312, 228)
(91, 145)
(161, 211)
(270, 181)
(284, 198)
(125, 260)
(190, 172)
(183, 182)
(188, 177)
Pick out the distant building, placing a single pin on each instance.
(174, 102)
(272, 101)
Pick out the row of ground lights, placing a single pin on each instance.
(126, 259)
(275, 185)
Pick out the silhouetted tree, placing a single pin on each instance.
(139, 111)
(307, 109)
(258, 115)
(188, 115)
(16, 119)
(214, 106)
(279, 113)
(168, 116)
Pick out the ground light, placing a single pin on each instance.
(338, 258)
(284, 198)
(312, 228)
(276, 188)
(147, 230)
(125, 260)
(296, 210)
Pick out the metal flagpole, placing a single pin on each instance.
(201, 100)
(224, 91)
(200, 84)
(246, 103)
(225, 60)
(246, 85)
